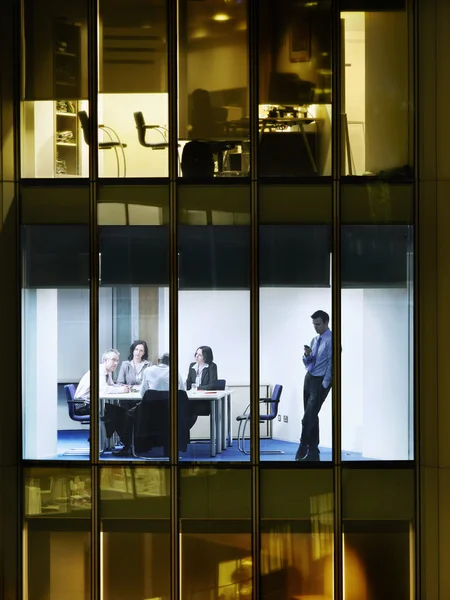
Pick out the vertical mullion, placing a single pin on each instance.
(337, 162)
(254, 294)
(93, 291)
(172, 31)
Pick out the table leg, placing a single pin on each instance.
(223, 429)
(308, 148)
(219, 426)
(212, 427)
(229, 422)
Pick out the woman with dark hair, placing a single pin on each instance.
(202, 372)
(132, 370)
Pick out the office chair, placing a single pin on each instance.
(69, 391)
(244, 419)
(197, 159)
(111, 144)
(151, 424)
(142, 129)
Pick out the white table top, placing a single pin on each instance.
(198, 395)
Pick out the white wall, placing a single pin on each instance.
(285, 327)
(39, 380)
(116, 111)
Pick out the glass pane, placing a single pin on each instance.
(216, 534)
(133, 98)
(214, 315)
(134, 322)
(294, 88)
(378, 534)
(54, 45)
(55, 342)
(56, 533)
(377, 303)
(377, 101)
(135, 533)
(213, 89)
(296, 534)
(295, 244)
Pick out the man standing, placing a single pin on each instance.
(317, 359)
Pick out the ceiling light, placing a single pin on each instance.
(221, 17)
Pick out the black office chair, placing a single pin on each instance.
(197, 159)
(142, 130)
(151, 423)
(69, 391)
(111, 144)
(244, 419)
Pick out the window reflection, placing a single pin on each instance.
(376, 121)
(55, 89)
(213, 86)
(55, 318)
(133, 98)
(294, 88)
(57, 525)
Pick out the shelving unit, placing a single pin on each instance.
(67, 139)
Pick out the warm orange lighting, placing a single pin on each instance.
(221, 17)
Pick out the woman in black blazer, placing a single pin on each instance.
(203, 371)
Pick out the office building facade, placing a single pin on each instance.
(207, 174)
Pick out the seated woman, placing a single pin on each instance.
(132, 370)
(203, 374)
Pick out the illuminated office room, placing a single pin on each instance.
(192, 190)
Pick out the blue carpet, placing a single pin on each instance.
(197, 451)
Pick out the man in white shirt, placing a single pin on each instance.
(110, 360)
(157, 376)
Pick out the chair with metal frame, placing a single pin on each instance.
(111, 144)
(273, 403)
(142, 129)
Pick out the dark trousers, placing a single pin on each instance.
(314, 395)
(117, 419)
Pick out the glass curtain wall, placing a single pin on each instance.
(54, 89)
(212, 519)
(133, 89)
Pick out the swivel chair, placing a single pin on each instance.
(244, 419)
(69, 391)
(111, 144)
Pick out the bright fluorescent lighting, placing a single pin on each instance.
(221, 17)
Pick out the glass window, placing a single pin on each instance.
(54, 88)
(294, 88)
(377, 319)
(378, 534)
(295, 244)
(135, 532)
(214, 315)
(296, 534)
(213, 89)
(215, 533)
(55, 340)
(134, 322)
(377, 101)
(133, 89)
(57, 533)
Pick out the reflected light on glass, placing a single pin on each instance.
(354, 573)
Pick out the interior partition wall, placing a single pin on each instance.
(297, 207)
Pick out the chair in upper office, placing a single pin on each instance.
(142, 129)
(151, 424)
(111, 144)
(243, 420)
(69, 391)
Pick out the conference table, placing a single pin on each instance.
(220, 418)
